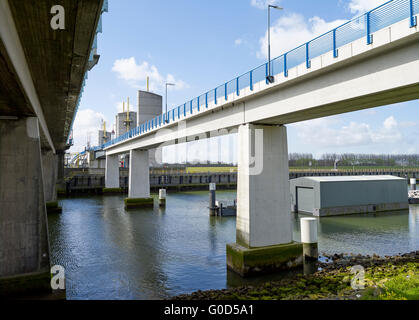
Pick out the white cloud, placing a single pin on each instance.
(358, 7)
(86, 124)
(136, 75)
(292, 30)
(323, 133)
(263, 4)
(238, 42)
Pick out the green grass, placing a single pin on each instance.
(351, 168)
(234, 169)
(402, 287)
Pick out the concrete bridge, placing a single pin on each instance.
(45, 53)
(370, 61)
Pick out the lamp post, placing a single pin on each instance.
(270, 78)
(167, 84)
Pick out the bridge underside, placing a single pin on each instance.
(56, 61)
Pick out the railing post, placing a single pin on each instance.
(251, 80)
(225, 91)
(184, 109)
(206, 99)
(173, 114)
(413, 19)
(237, 86)
(285, 65)
(335, 50)
(368, 23)
(178, 112)
(215, 95)
(308, 64)
(198, 104)
(191, 106)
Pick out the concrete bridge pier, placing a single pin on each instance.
(139, 180)
(112, 173)
(24, 246)
(50, 165)
(264, 226)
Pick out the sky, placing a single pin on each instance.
(199, 45)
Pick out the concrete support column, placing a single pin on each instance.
(112, 172)
(24, 247)
(50, 164)
(264, 226)
(139, 180)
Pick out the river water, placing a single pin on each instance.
(111, 253)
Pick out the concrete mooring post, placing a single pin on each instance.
(413, 183)
(162, 197)
(309, 241)
(212, 205)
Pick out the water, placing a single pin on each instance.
(111, 253)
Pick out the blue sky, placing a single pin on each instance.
(201, 44)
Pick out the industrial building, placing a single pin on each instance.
(103, 137)
(125, 121)
(340, 195)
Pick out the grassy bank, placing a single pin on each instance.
(386, 278)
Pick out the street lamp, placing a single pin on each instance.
(270, 78)
(167, 84)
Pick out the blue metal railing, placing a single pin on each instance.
(357, 28)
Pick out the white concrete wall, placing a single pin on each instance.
(263, 192)
(139, 175)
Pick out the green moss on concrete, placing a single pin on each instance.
(53, 207)
(30, 283)
(248, 261)
(138, 202)
(112, 190)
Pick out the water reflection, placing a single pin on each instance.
(111, 253)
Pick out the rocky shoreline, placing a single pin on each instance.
(331, 282)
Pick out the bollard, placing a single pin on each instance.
(212, 205)
(413, 183)
(162, 197)
(309, 238)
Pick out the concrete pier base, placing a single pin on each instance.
(264, 226)
(131, 203)
(24, 246)
(254, 261)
